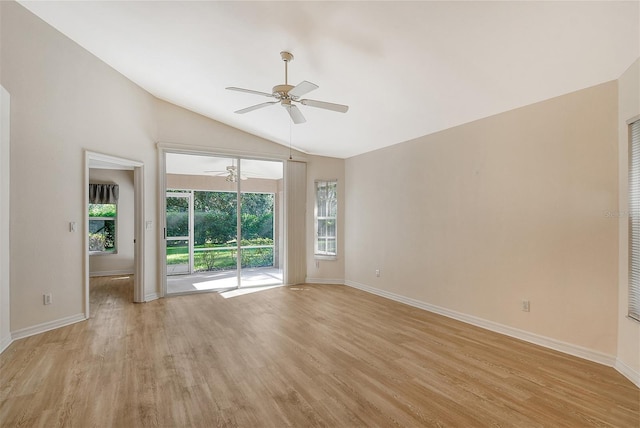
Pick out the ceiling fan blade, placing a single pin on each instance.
(302, 88)
(327, 106)
(250, 91)
(255, 107)
(296, 114)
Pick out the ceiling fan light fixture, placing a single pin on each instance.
(285, 94)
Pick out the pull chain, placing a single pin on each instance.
(290, 156)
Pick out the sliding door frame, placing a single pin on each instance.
(163, 149)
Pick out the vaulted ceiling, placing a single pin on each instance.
(406, 69)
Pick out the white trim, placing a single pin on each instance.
(161, 207)
(633, 119)
(46, 326)
(4, 343)
(151, 296)
(627, 372)
(329, 281)
(139, 230)
(5, 216)
(104, 161)
(217, 151)
(112, 272)
(547, 342)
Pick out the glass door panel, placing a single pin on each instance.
(261, 187)
(215, 232)
(179, 233)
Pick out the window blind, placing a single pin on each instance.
(296, 232)
(634, 221)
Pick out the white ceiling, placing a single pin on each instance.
(406, 69)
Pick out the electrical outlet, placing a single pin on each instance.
(377, 272)
(525, 306)
(47, 299)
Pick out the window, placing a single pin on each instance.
(326, 218)
(634, 221)
(102, 228)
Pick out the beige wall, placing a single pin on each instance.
(322, 270)
(184, 129)
(123, 261)
(628, 330)
(477, 218)
(65, 101)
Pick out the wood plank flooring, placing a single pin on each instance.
(304, 356)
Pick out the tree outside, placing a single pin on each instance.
(215, 218)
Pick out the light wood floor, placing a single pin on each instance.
(295, 356)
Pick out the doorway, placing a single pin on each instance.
(223, 223)
(101, 161)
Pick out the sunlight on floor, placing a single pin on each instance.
(242, 291)
(224, 280)
(215, 284)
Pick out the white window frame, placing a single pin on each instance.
(325, 255)
(115, 232)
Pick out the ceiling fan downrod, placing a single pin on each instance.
(286, 57)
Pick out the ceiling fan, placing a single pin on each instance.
(287, 95)
(231, 173)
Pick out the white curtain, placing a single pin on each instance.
(295, 231)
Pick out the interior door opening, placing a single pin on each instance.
(99, 161)
(223, 218)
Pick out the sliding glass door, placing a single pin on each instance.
(210, 247)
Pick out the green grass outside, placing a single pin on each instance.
(222, 259)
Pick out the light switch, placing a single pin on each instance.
(73, 226)
(147, 225)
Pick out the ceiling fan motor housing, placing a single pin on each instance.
(282, 91)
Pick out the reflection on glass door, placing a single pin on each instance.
(179, 233)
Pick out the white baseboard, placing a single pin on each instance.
(49, 325)
(330, 281)
(4, 343)
(547, 342)
(151, 296)
(112, 272)
(628, 372)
